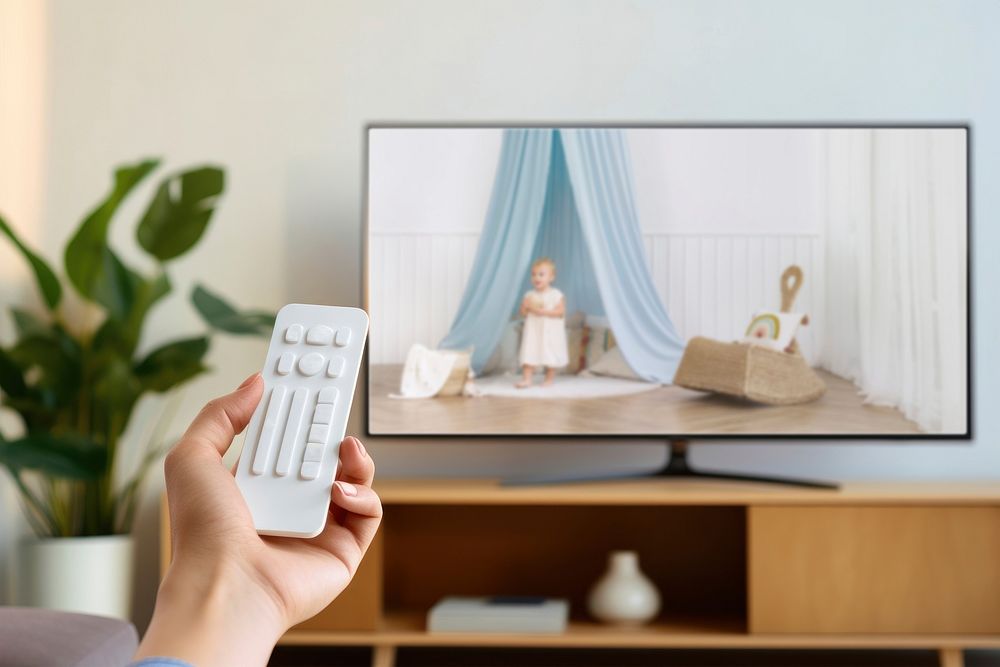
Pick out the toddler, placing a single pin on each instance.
(543, 342)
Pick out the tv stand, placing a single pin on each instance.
(890, 566)
(676, 466)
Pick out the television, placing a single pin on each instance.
(668, 282)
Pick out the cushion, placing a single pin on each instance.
(774, 330)
(612, 363)
(576, 342)
(599, 341)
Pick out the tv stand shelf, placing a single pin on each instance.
(738, 564)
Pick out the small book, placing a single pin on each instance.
(501, 614)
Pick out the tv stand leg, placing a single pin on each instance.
(383, 656)
(951, 657)
(679, 466)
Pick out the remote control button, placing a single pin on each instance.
(311, 364)
(314, 453)
(319, 433)
(323, 414)
(309, 470)
(293, 334)
(285, 363)
(328, 395)
(343, 336)
(292, 429)
(335, 367)
(319, 335)
(268, 430)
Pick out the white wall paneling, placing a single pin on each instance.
(711, 284)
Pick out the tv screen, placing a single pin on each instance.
(668, 281)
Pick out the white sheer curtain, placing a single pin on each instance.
(895, 314)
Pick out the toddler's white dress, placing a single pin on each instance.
(543, 342)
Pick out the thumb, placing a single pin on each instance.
(222, 418)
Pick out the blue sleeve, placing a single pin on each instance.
(160, 662)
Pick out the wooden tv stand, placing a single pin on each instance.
(739, 565)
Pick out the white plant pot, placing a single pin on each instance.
(91, 575)
(624, 595)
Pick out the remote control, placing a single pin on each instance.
(292, 445)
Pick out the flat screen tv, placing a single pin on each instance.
(671, 282)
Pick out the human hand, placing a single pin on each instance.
(229, 593)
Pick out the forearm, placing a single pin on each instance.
(212, 619)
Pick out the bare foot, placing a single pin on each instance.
(547, 381)
(523, 384)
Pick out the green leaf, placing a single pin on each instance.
(58, 360)
(147, 292)
(121, 334)
(116, 390)
(174, 363)
(11, 376)
(44, 276)
(180, 211)
(86, 256)
(218, 314)
(67, 456)
(115, 285)
(28, 324)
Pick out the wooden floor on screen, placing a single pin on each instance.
(663, 410)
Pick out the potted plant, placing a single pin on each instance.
(74, 374)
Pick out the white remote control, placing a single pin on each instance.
(292, 444)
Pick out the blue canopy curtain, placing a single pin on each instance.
(567, 194)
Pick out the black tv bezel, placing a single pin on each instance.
(919, 438)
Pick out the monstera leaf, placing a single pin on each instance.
(180, 212)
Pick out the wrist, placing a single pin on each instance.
(213, 616)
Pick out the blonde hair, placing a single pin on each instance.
(544, 260)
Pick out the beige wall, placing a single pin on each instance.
(22, 115)
(280, 92)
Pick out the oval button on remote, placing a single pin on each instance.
(311, 363)
(319, 334)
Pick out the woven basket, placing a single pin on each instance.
(751, 371)
(748, 371)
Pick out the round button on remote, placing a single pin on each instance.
(311, 363)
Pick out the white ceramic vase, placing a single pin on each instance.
(91, 575)
(624, 595)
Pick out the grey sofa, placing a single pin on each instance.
(44, 638)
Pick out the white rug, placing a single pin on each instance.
(564, 386)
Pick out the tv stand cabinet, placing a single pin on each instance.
(739, 565)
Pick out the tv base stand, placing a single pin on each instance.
(677, 465)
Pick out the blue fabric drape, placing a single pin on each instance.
(505, 245)
(561, 238)
(567, 194)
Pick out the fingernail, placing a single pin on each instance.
(249, 380)
(361, 448)
(348, 489)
